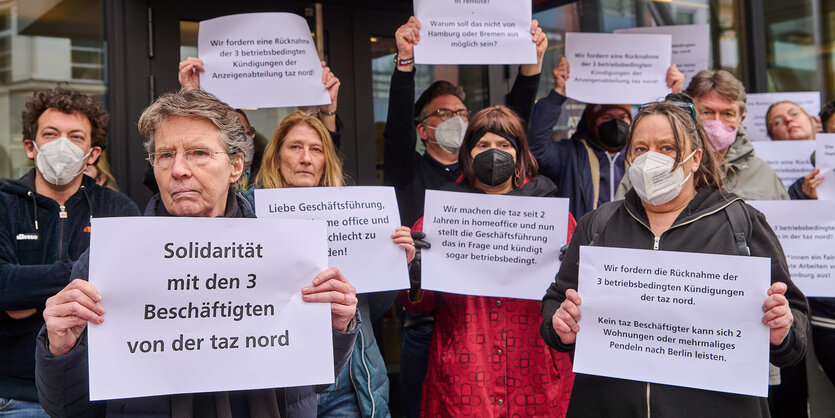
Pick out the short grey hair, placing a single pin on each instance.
(195, 103)
(723, 83)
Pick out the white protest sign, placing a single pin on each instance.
(474, 32)
(206, 305)
(791, 160)
(691, 46)
(617, 68)
(806, 230)
(758, 104)
(825, 161)
(360, 223)
(492, 245)
(676, 318)
(260, 60)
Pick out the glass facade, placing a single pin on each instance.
(41, 44)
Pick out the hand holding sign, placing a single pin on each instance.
(68, 312)
(189, 75)
(561, 74)
(778, 316)
(406, 37)
(331, 286)
(566, 317)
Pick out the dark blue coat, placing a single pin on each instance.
(37, 249)
(566, 162)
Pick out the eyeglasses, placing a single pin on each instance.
(196, 156)
(681, 105)
(445, 114)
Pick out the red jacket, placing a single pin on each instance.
(487, 358)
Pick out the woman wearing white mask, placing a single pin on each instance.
(677, 204)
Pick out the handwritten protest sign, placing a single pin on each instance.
(260, 60)
(806, 231)
(360, 223)
(617, 68)
(758, 104)
(825, 161)
(474, 32)
(682, 319)
(691, 46)
(205, 305)
(791, 160)
(492, 245)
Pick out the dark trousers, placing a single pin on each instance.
(414, 356)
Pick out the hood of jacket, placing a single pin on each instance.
(705, 202)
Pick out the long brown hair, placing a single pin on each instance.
(269, 175)
(499, 120)
(709, 173)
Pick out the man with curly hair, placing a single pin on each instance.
(45, 226)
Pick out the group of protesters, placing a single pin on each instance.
(674, 176)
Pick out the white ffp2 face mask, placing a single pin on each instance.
(654, 179)
(60, 161)
(449, 134)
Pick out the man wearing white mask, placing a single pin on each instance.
(44, 227)
(439, 119)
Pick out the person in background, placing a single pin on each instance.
(684, 208)
(822, 316)
(301, 154)
(189, 78)
(195, 143)
(439, 118)
(100, 171)
(477, 347)
(589, 166)
(806, 187)
(45, 226)
(786, 120)
(719, 99)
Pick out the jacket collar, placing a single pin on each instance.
(704, 203)
(236, 207)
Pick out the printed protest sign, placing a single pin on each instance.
(206, 305)
(676, 318)
(825, 161)
(791, 160)
(691, 46)
(492, 245)
(360, 223)
(260, 60)
(806, 230)
(758, 104)
(617, 68)
(474, 32)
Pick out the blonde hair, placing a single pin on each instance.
(269, 175)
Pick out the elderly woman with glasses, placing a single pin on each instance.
(195, 143)
(682, 206)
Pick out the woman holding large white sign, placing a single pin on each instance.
(489, 345)
(677, 204)
(302, 154)
(195, 144)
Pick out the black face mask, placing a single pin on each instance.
(613, 134)
(493, 167)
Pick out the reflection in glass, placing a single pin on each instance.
(41, 44)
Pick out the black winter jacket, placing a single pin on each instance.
(703, 227)
(37, 249)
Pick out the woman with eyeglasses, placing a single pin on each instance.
(485, 356)
(302, 154)
(678, 203)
